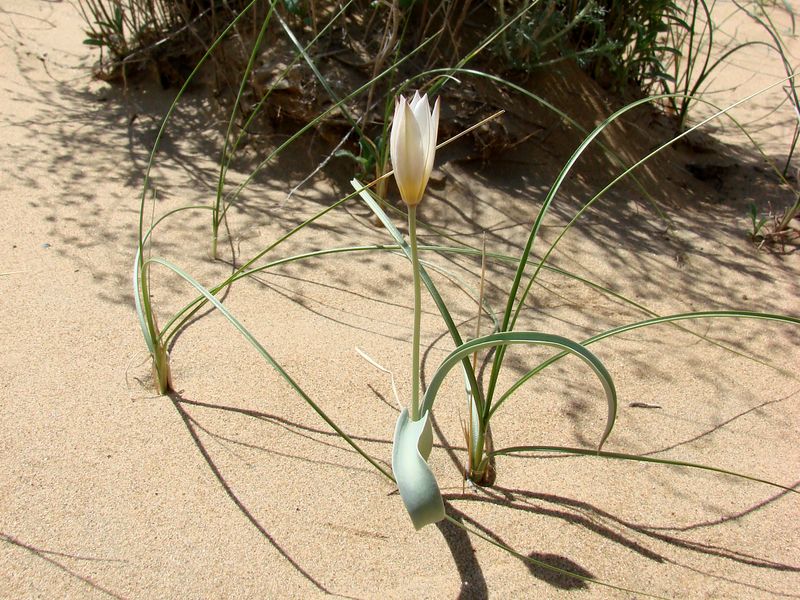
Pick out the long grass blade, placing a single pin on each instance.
(633, 457)
(267, 357)
(227, 155)
(740, 314)
(719, 112)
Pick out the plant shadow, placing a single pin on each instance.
(61, 560)
(192, 428)
(553, 577)
(473, 582)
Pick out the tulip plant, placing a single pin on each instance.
(413, 146)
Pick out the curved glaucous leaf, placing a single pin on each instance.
(509, 338)
(657, 320)
(413, 441)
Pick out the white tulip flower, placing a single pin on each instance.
(413, 145)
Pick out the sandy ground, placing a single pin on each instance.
(232, 487)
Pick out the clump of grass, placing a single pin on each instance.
(621, 44)
(167, 35)
(775, 231)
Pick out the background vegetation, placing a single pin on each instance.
(311, 54)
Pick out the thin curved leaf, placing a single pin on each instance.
(622, 456)
(742, 314)
(525, 337)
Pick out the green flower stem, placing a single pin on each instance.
(412, 235)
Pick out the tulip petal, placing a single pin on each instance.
(413, 145)
(408, 166)
(413, 441)
(422, 115)
(397, 126)
(430, 148)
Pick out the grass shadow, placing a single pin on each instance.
(192, 428)
(554, 578)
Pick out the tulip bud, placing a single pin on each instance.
(413, 145)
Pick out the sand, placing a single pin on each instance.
(232, 487)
